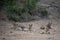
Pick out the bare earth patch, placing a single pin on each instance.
(6, 33)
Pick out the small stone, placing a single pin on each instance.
(3, 38)
(11, 32)
(49, 38)
(3, 33)
(48, 32)
(42, 33)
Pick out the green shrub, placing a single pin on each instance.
(13, 10)
(13, 17)
(43, 12)
(20, 14)
(31, 4)
(25, 16)
(16, 13)
(10, 2)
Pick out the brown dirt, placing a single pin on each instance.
(6, 33)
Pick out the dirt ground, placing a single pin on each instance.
(6, 33)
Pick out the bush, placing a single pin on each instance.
(25, 17)
(19, 14)
(10, 2)
(13, 17)
(31, 4)
(16, 13)
(43, 12)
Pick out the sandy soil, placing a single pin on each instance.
(6, 33)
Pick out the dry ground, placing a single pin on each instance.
(6, 33)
